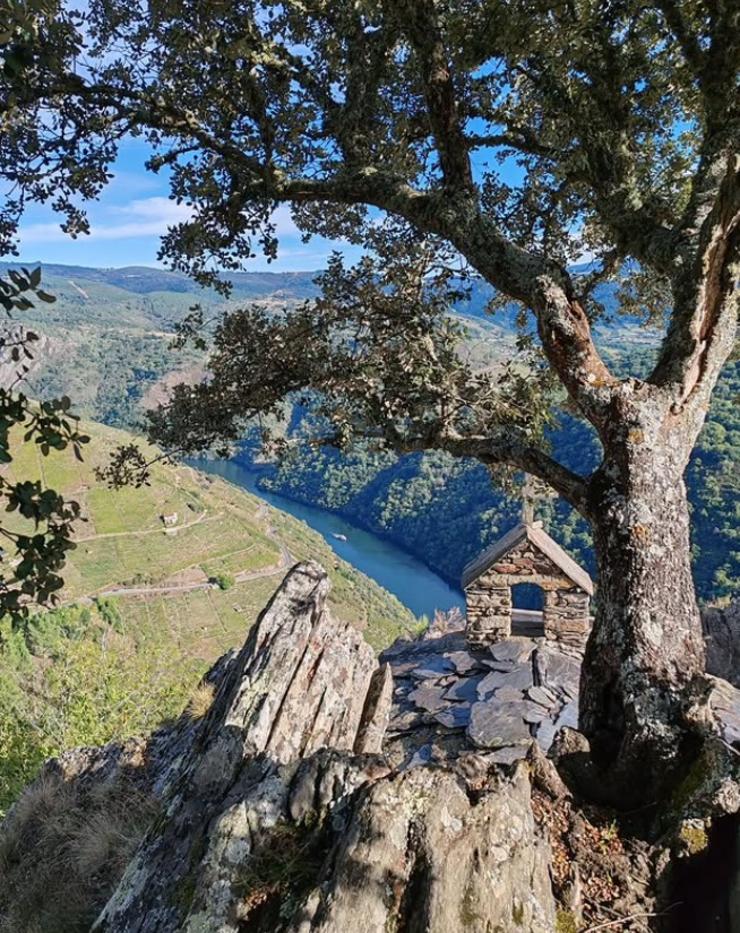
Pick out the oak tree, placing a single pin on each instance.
(451, 138)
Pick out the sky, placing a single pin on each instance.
(134, 211)
(130, 217)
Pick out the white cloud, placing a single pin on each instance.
(284, 225)
(140, 218)
(149, 217)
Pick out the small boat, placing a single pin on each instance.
(338, 536)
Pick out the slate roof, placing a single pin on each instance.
(540, 539)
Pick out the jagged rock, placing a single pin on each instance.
(377, 712)
(416, 853)
(722, 640)
(316, 797)
(298, 685)
(276, 752)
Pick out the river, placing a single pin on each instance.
(411, 581)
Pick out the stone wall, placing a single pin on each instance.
(566, 616)
(489, 603)
(488, 614)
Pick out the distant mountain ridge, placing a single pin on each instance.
(144, 280)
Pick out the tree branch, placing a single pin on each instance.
(689, 43)
(704, 320)
(505, 449)
(420, 21)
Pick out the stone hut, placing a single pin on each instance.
(526, 554)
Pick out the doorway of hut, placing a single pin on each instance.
(527, 605)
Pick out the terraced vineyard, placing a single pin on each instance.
(148, 607)
(124, 548)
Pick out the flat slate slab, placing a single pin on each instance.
(545, 734)
(494, 725)
(463, 661)
(507, 694)
(725, 703)
(568, 717)
(508, 755)
(557, 669)
(543, 696)
(421, 756)
(520, 678)
(503, 697)
(430, 698)
(465, 689)
(513, 649)
(433, 667)
(454, 717)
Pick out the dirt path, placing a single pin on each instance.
(243, 576)
(161, 529)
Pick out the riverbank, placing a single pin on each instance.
(413, 583)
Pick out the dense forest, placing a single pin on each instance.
(445, 510)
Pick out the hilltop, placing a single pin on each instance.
(148, 607)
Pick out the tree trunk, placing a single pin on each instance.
(647, 643)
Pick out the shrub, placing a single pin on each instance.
(224, 581)
(109, 612)
(63, 849)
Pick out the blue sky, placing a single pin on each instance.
(134, 210)
(130, 217)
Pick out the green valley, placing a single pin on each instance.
(163, 580)
(108, 348)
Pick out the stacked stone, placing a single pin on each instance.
(488, 614)
(566, 617)
(525, 561)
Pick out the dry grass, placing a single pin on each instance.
(63, 849)
(201, 700)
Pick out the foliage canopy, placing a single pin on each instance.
(498, 138)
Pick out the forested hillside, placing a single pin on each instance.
(445, 511)
(109, 337)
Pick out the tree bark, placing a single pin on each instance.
(647, 644)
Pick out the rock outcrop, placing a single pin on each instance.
(722, 639)
(325, 792)
(285, 769)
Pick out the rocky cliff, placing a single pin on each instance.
(315, 789)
